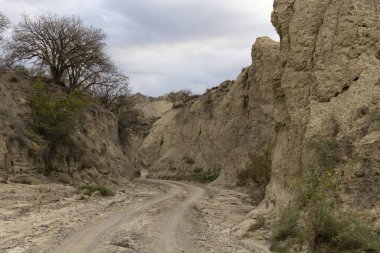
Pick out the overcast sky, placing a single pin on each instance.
(167, 45)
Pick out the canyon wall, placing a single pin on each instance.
(99, 155)
(321, 82)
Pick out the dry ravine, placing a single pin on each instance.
(143, 216)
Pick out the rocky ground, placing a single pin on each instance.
(143, 216)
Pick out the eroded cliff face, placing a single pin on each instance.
(330, 80)
(98, 157)
(219, 129)
(321, 81)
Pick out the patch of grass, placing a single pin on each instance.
(91, 188)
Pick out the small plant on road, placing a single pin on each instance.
(91, 188)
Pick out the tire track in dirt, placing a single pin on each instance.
(99, 232)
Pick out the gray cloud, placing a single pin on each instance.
(166, 45)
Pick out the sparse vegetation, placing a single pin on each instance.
(201, 176)
(13, 79)
(4, 114)
(374, 115)
(4, 24)
(207, 102)
(128, 121)
(188, 160)
(324, 153)
(35, 137)
(314, 220)
(22, 180)
(55, 114)
(54, 117)
(257, 171)
(69, 53)
(86, 161)
(179, 98)
(260, 223)
(92, 188)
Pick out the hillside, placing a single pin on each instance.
(320, 85)
(97, 156)
(288, 154)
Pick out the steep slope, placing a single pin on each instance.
(321, 82)
(101, 155)
(330, 80)
(218, 130)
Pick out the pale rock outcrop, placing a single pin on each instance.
(218, 130)
(321, 81)
(330, 79)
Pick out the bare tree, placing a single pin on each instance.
(110, 86)
(4, 24)
(60, 44)
(184, 95)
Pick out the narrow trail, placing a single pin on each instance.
(173, 221)
(90, 238)
(174, 237)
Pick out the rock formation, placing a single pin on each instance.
(321, 81)
(219, 129)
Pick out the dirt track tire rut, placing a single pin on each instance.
(172, 236)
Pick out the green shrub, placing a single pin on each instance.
(315, 220)
(288, 223)
(325, 153)
(200, 177)
(54, 117)
(355, 235)
(36, 138)
(86, 161)
(257, 171)
(91, 188)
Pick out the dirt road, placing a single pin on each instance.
(169, 217)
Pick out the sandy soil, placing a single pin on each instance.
(147, 216)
